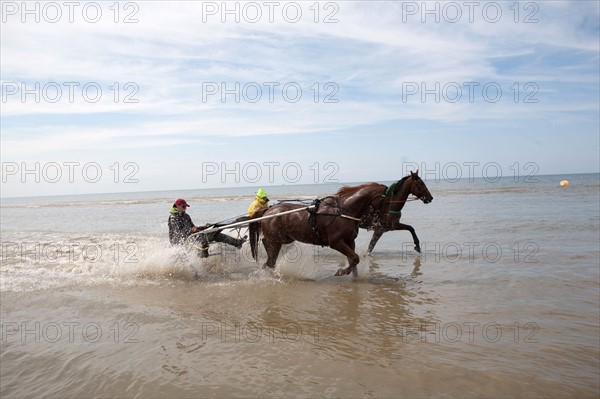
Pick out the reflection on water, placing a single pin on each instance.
(361, 321)
(272, 335)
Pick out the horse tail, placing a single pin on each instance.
(254, 232)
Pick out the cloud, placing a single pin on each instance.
(366, 58)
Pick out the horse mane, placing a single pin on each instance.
(349, 190)
(400, 183)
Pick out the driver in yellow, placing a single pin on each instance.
(260, 202)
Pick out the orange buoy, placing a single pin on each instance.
(564, 183)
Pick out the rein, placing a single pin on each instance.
(407, 200)
(399, 212)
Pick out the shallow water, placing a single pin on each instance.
(503, 301)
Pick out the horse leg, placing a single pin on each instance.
(348, 250)
(272, 249)
(402, 226)
(355, 269)
(377, 233)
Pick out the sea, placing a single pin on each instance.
(502, 301)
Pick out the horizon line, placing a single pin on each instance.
(272, 185)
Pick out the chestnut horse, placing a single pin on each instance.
(334, 222)
(388, 217)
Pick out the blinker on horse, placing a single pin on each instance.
(334, 223)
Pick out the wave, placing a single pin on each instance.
(58, 261)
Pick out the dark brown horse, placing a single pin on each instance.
(387, 218)
(333, 223)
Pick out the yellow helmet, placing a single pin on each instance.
(261, 193)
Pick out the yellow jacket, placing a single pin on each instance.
(258, 203)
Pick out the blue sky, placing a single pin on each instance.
(395, 88)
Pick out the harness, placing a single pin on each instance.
(312, 220)
(314, 209)
(389, 192)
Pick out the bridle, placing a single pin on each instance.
(389, 193)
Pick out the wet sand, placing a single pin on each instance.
(286, 335)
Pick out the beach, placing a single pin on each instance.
(503, 300)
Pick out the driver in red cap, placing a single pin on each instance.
(181, 227)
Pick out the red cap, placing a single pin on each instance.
(181, 201)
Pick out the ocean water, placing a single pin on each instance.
(504, 299)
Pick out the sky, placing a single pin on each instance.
(151, 95)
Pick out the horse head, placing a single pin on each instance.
(396, 195)
(419, 189)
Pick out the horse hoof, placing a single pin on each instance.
(343, 272)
